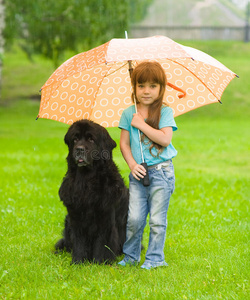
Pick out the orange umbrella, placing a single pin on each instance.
(96, 84)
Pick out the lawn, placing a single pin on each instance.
(207, 244)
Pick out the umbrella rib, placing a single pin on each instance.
(196, 77)
(116, 70)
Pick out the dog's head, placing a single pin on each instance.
(88, 143)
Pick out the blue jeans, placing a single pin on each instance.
(153, 199)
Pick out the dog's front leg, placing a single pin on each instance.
(79, 251)
(100, 249)
(103, 252)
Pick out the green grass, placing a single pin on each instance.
(207, 245)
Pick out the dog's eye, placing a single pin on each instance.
(76, 140)
(91, 140)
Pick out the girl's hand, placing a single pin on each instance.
(138, 171)
(137, 120)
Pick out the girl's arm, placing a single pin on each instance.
(138, 171)
(161, 136)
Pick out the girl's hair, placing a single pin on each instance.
(151, 72)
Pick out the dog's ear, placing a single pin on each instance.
(107, 142)
(69, 135)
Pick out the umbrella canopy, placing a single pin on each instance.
(96, 84)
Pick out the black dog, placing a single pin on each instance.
(95, 196)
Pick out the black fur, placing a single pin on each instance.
(95, 196)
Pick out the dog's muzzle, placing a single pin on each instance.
(80, 156)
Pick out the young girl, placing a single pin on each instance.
(156, 124)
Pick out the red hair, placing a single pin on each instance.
(151, 72)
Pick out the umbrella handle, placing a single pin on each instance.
(139, 133)
(130, 68)
(145, 179)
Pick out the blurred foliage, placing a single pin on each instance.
(51, 27)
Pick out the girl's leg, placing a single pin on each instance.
(161, 188)
(138, 210)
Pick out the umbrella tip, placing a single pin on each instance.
(37, 117)
(237, 76)
(220, 101)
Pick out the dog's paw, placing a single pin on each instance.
(60, 245)
(76, 262)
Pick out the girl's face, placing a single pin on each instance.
(147, 92)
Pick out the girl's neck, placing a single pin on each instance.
(143, 110)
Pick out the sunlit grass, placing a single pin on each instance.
(208, 222)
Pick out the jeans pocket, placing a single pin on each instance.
(168, 171)
(169, 177)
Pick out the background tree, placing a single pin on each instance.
(51, 27)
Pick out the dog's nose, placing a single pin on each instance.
(79, 148)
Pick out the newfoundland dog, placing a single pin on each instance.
(95, 196)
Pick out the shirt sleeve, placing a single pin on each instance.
(167, 118)
(124, 124)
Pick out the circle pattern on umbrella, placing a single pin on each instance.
(96, 84)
